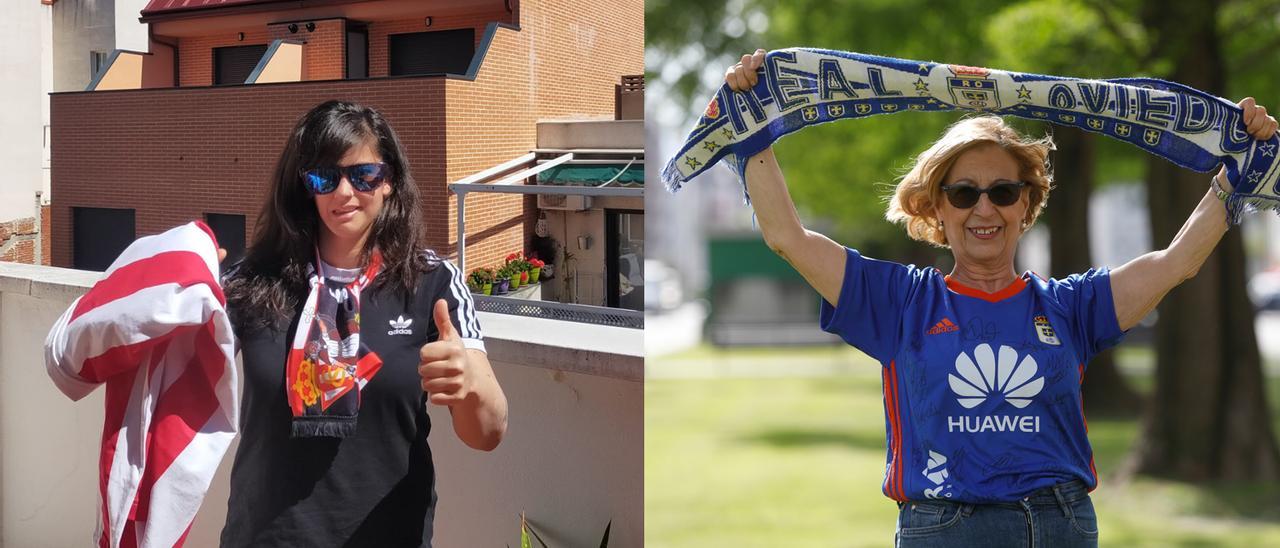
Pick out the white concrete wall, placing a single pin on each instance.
(22, 117)
(129, 33)
(79, 28)
(572, 459)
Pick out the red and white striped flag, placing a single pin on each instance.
(155, 331)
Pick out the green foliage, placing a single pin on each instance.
(841, 172)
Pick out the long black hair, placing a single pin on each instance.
(268, 284)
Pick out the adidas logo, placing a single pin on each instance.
(1006, 375)
(944, 326)
(400, 326)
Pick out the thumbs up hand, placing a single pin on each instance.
(443, 365)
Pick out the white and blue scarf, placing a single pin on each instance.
(800, 87)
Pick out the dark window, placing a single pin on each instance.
(357, 51)
(99, 235)
(624, 259)
(229, 230)
(97, 62)
(444, 51)
(233, 65)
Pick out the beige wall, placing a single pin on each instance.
(285, 65)
(572, 459)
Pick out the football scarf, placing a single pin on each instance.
(328, 365)
(800, 87)
(155, 331)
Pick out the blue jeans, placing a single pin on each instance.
(1059, 517)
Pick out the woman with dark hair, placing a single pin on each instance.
(347, 328)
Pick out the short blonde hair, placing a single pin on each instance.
(917, 195)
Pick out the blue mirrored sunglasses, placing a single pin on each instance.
(363, 177)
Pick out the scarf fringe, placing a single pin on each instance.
(1240, 204)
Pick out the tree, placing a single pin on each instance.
(1209, 418)
(1059, 37)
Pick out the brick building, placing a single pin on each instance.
(191, 129)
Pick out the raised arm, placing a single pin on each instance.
(819, 259)
(1139, 285)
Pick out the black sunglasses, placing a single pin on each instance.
(363, 177)
(965, 196)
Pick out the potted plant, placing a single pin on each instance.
(525, 268)
(481, 280)
(502, 281)
(536, 272)
(518, 268)
(513, 274)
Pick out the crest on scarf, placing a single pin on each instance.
(1186, 126)
(970, 87)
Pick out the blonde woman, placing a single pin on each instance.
(986, 433)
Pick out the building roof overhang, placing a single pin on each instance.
(198, 17)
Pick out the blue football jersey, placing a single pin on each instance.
(981, 390)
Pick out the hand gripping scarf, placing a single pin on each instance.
(155, 331)
(328, 365)
(801, 87)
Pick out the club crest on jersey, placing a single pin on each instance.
(1045, 331)
(400, 326)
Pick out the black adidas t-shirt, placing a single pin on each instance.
(374, 488)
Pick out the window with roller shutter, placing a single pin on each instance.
(234, 64)
(436, 52)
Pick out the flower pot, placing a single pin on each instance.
(515, 282)
(533, 276)
(502, 287)
(524, 278)
(488, 288)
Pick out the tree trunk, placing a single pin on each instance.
(1106, 393)
(1208, 419)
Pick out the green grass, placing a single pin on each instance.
(764, 459)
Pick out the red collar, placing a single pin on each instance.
(1009, 291)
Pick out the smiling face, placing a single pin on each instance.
(346, 214)
(984, 235)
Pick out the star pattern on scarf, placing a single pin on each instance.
(924, 68)
(711, 146)
(692, 162)
(1267, 150)
(1024, 94)
(728, 133)
(922, 87)
(1254, 177)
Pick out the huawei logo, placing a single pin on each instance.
(985, 374)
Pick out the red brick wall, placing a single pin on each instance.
(46, 236)
(578, 51)
(195, 55)
(380, 30)
(174, 154)
(323, 57)
(18, 241)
